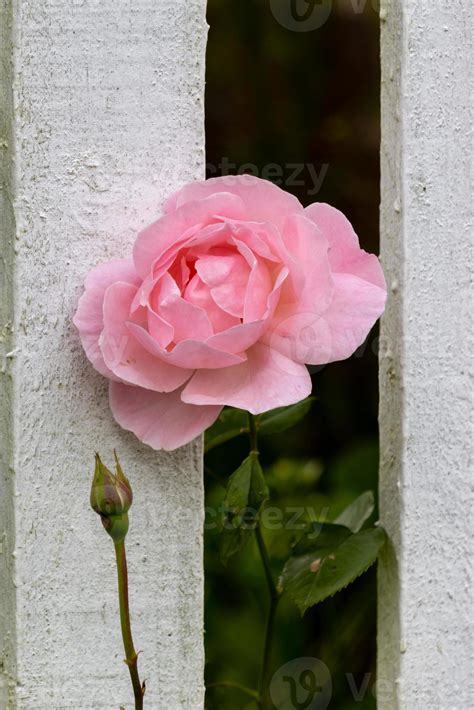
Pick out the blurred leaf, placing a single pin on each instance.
(232, 541)
(321, 538)
(246, 487)
(277, 420)
(245, 495)
(358, 512)
(335, 560)
(230, 423)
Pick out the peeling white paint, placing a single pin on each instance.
(425, 602)
(105, 119)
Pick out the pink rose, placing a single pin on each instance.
(227, 297)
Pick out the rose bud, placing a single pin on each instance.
(111, 497)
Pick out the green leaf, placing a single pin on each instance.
(246, 486)
(230, 423)
(245, 495)
(358, 512)
(329, 563)
(321, 538)
(277, 420)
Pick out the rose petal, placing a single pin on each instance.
(161, 420)
(227, 278)
(239, 338)
(334, 335)
(264, 201)
(187, 353)
(260, 237)
(198, 293)
(88, 318)
(159, 328)
(345, 255)
(189, 321)
(259, 285)
(122, 352)
(168, 231)
(194, 246)
(267, 380)
(309, 266)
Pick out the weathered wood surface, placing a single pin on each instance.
(425, 603)
(102, 118)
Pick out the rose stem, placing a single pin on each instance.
(131, 656)
(264, 682)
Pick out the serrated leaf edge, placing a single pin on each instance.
(304, 608)
(329, 596)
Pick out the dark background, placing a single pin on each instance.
(276, 96)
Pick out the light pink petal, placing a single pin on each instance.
(345, 255)
(260, 237)
(159, 328)
(89, 317)
(198, 293)
(241, 337)
(199, 243)
(176, 227)
(215, 270)
(180, 272)
(189, 321)
(187, 353)
(334, 335)
(163, 421)
(334, 225)
(259, 285)
(213, 236)
(124, 355)
(165, 287)
(227, 278)
(238, 338)
(267, 380)
(309, 266)
(264, 201)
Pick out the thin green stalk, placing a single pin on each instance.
(264, 700)
(131, 656)
(265, 561)
(264, 683)
(253, 434)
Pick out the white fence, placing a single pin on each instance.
(105, 119)
(425, 602)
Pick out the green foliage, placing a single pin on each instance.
(246, 492)
(230, 423)
(278, 420)
(358, 512)
(326, 561)
(233, 422)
